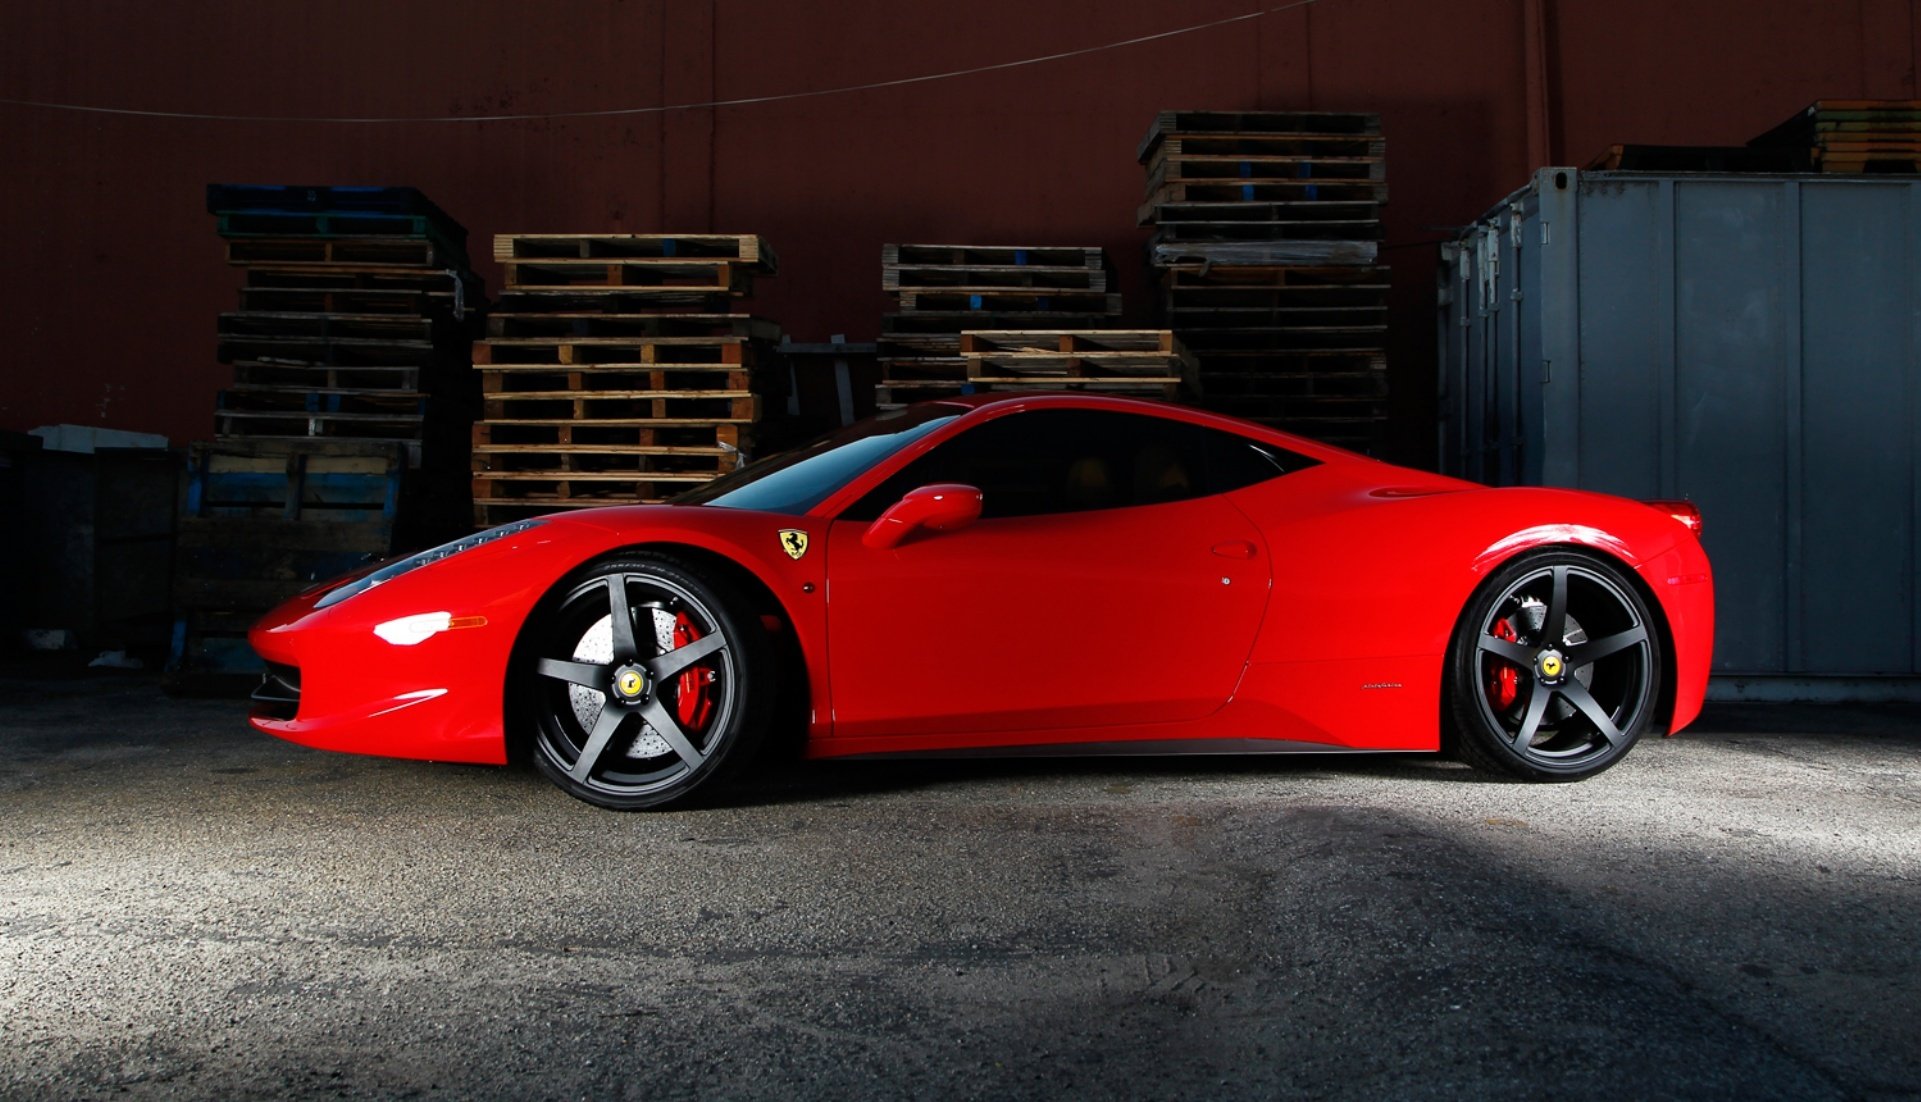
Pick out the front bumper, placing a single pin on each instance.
(415, 667)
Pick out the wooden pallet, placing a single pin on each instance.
(228, 198)
(533, 380)
(909, 370)
(1216, 342)
(534, 301)
(1310, 190)
(361, 252)
(1168, 124)
(624, 406)
(1262, 254)
(287, 325)
(993, 256)
(1260, 210)
(582, 489)
(1369, 384)
(1295, 146)
(567, 434)
(342, 351)
(363, 277)
(669, 281)
(1163, 169)
(1179, 278)
(575, 323)
(322, 400)
(1699, 158)
(937, 324)
(503, 462)
(641, 351)
(1903, 162)
(1283, 364)
(332, 226)
(962, 278)
(1261, 295)
(747, 251)
(262, 373)
(1835, 117)
(1182, 319)
(895, 394)
(258, 425)
(1070, 357)
(393, 302)
(1164, 389)
(984, 301)
(1178, 233)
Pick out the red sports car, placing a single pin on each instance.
(1054, 574)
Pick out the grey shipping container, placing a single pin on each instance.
(1746, 342)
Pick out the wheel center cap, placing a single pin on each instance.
(630, 683)
(1550, 666)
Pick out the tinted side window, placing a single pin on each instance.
(1064, 461)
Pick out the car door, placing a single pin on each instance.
(1104, 584)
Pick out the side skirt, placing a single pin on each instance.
(1141, 748)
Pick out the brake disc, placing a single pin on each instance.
(597, 646)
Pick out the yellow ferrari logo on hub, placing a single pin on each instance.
(629, 683)
(794, 542)
(1551, 666)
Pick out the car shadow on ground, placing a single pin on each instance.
(784, 779)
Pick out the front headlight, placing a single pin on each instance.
(414, 562)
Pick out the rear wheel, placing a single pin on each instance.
(643, 681)
(1555, 669)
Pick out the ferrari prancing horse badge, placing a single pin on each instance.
(794, 542)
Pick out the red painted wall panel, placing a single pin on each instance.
(113, 275)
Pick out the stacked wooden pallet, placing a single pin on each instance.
(1140, 362)
(616, 370)
(1853, 136)
(1266, 247)
(941, 291)
(262, 520)
(355, 320)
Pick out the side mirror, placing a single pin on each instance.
(941, 507)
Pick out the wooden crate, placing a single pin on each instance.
(261, 522)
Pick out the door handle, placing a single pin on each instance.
(1235, 549)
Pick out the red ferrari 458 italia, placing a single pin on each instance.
(1056, 574)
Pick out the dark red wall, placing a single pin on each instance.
(112, 273)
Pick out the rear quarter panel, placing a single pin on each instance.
(1371, 574)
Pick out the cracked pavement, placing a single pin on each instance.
(191, 910)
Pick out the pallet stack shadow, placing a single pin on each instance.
(1266, 251)
(1852, 136)
(941, 291)
(615, 369)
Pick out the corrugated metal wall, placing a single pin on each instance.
(1750, 343)
(113, 275)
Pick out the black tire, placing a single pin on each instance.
(675, 726)
(1543, 703)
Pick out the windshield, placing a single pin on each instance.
(796, 481)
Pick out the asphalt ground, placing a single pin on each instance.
(191, 910)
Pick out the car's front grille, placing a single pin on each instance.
(278, 695)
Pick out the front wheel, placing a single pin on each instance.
(643, 682)
(1555, 670)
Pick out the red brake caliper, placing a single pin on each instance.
(1505, 685)
(694, 698)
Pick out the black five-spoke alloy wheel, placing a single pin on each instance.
(1555, 669)
(641, 680)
